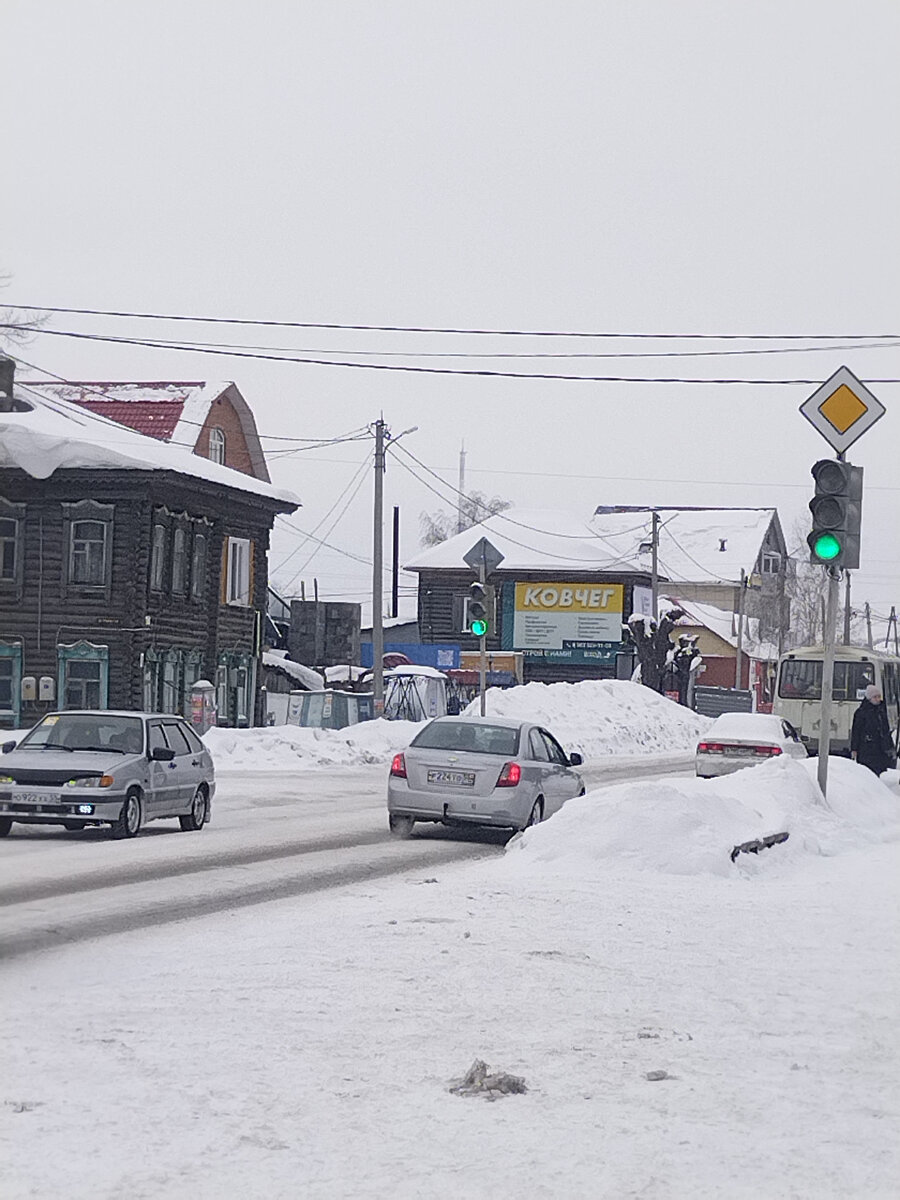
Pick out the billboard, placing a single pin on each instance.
(565, 622)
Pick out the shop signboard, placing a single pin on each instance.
(564, 622)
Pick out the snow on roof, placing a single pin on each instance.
(306, 675)
(533, 540)
(169, 411)
(157, 409)
(55, 434)
(723, 624)
(695, 545)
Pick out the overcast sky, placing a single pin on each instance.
(637, 168)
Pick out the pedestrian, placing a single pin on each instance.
(870, 735)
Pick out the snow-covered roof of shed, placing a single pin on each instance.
(277, 659)
(695, 545)
(533, 540)
(53, 434)
(722, 623)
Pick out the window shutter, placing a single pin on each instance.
(251, 589)
(223, 580)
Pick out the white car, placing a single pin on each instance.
(738, 740)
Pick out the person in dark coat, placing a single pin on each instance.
(870, 735)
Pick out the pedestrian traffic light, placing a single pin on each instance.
(836, 514)
(477, 610)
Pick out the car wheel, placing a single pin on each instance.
(401, 827)
(5, 825)
(199, 813)
(73, 826)
(537, 813)
(128, 822)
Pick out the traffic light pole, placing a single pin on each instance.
(377, 576)
(482, 653)
(831, 608)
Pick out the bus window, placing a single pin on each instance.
(801, 679)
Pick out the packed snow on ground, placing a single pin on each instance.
(596, 718)
(599, 717)
(682, 1036)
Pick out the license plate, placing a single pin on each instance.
(35, 797)
(454, 778)
(737, 752)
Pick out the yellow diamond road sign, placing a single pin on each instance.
(842, 409)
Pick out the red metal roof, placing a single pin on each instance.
(156, 418)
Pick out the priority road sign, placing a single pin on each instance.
(483, 557)
(842, 409)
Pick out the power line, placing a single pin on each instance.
(352, 496)
(356, 474)
(204, 348)
(745, 337)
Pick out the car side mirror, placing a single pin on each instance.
(162, 754)
(575, 760)
(7, 747)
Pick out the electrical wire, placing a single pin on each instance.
(204, 348)
(354, 479)
(144, 316)
(331, 529)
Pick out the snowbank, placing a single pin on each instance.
(599, 717)
(289, 747)
(687, 826)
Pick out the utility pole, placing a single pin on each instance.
(846, 608)
(460, 502)
(740, 631)
(395, 564)
(869, 642)
(654, 566)
(378, 573)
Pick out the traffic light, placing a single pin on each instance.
(477, 622)
(836, 514)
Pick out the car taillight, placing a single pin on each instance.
(398, 766)
(710, 748)
(765, 751)
(510, 775)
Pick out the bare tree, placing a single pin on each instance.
(17, 327)
(436, 527)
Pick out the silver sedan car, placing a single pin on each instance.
(97, 767)
(480, 771)
(736, 740)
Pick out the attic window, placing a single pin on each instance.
(723, 543)
(217, 445)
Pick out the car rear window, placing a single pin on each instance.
(469, 736)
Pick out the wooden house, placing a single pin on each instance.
(129, 568)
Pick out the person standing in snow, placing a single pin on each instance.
(870, 735)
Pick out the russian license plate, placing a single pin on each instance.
(453, 778)
(738, 752)
(35, 797)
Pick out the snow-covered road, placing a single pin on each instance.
(280, 835)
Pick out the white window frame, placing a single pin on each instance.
(237, 577)
(217, 445)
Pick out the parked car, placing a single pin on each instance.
(738, 740)
(96, 767)
(480, 771)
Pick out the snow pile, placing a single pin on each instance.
(599, 717)
(685, 826)
(288, 747)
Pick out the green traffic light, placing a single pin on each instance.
(827, 547)
(479, 628)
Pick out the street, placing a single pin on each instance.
(272, 836)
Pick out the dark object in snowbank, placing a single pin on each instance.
(478, 1081)
(757, 844)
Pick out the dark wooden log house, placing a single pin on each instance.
(129, 569)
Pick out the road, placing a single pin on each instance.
(272, 837)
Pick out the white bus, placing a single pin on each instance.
(798, 691)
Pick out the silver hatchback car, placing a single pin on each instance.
(480, 771)
(96, 767)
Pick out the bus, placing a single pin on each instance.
(798, 691)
